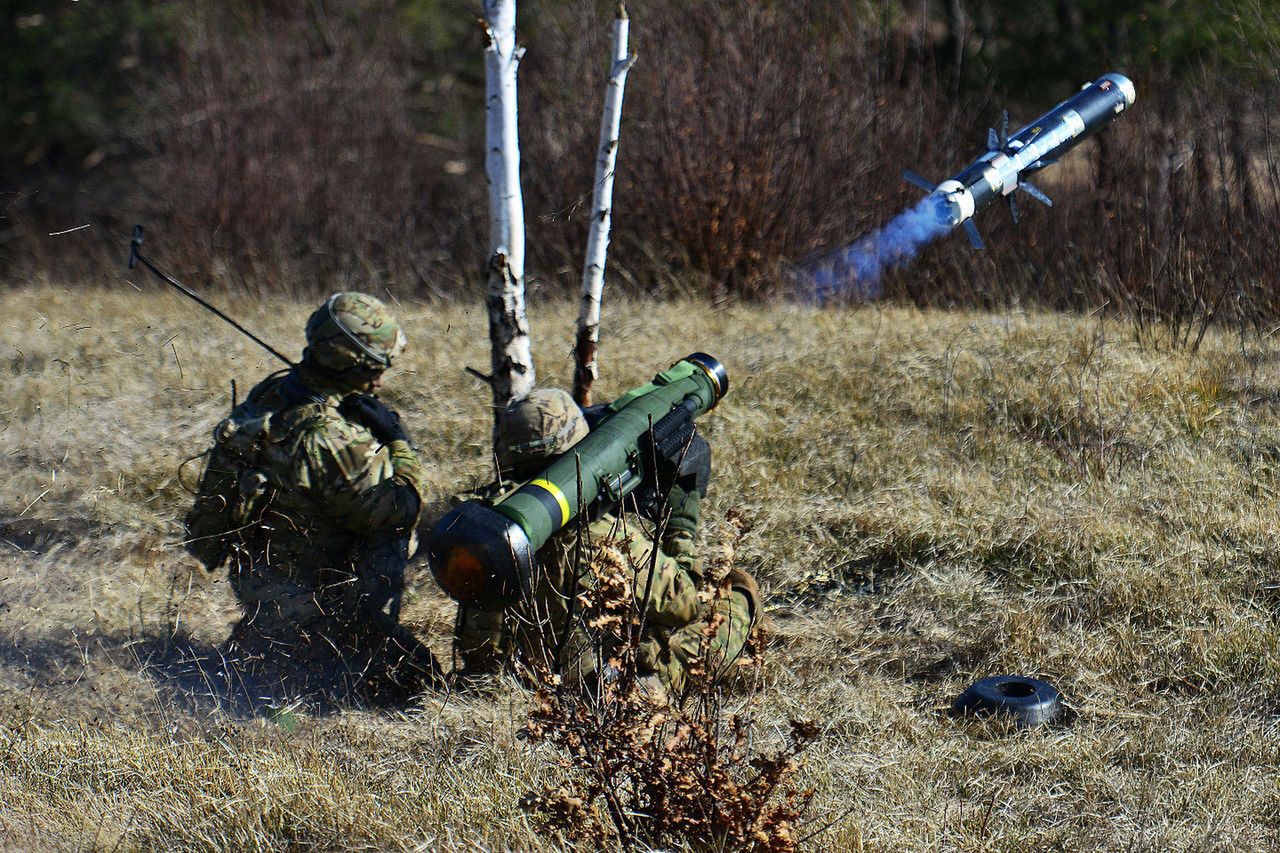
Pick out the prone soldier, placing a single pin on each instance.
(543, 629)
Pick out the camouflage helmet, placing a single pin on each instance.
(354, 331)
(537, 427)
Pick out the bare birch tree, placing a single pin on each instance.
(512, 358)
(585, 367)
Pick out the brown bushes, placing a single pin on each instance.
(282, 139)
(298, 141)
(638, 768)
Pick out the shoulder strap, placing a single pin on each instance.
(295, 393)
(299, 409)
(297, 421)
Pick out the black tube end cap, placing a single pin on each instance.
(1029, 702)
(480, 557)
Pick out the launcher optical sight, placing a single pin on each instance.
(482, 552)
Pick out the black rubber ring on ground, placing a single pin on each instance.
(1029, 701)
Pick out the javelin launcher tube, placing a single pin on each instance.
(482, 553)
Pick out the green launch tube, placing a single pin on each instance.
(482, 553)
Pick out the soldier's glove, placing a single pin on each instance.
(375, 416)
(685, 505)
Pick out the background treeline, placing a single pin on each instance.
(295, 145)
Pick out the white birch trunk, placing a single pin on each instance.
(512, 358)
(585, 366)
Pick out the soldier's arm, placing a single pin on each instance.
(360, 484)
(678, 573)
(672, 600)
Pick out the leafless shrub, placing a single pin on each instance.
(641, 768)
(281, 138)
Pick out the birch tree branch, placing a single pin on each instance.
(588, 336)
(512, 357)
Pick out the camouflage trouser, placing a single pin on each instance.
(672, 659)
(480, 640)
(348, 613)
(286, 613)
(485, 640)
(283, 606)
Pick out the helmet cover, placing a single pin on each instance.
(354, 331)
(538, 427)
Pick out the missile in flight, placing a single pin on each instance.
(1010, 160)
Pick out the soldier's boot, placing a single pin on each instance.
(403, 664)
(246, 643)
(479, 642)
(745, 583)
(743, 641)
(739, 610)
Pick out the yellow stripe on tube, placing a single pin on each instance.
(555, 492)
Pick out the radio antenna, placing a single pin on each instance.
(136, 257)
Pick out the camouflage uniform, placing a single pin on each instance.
(543, 425)
(322, 561)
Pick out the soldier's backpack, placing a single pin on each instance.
(235, 485)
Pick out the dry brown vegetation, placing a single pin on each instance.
(932, 497)
(298, 141)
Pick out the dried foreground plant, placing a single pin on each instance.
(640, 767)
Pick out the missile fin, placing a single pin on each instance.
(1004, 128)
(1035, 192)
(1013, 209)
(974, 237)
(912, 178)
(993, 139)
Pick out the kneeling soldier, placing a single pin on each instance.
(310, 495)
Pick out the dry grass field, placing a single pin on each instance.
(933, 497)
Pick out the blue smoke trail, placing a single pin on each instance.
(854, 271)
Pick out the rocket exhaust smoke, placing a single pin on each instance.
(854, 271)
